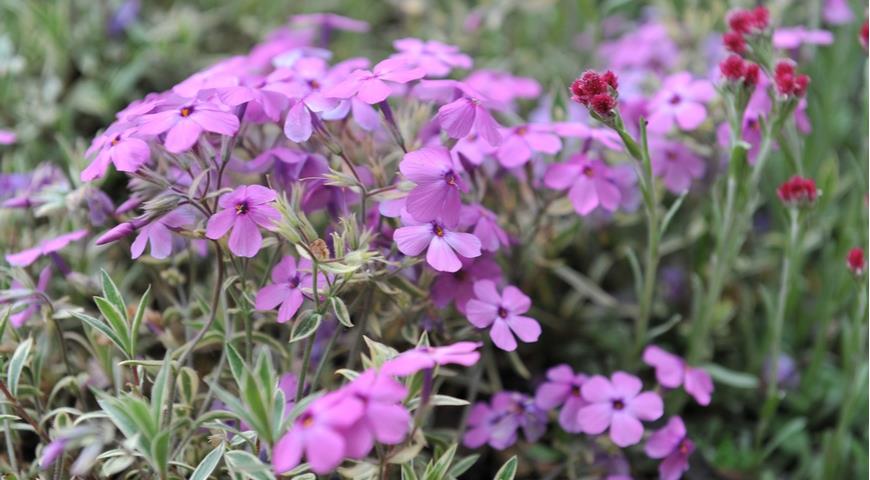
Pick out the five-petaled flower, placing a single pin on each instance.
(618, 403)
(245, 210)
(503, 313)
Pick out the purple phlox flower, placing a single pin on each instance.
(503, 312)
(412, 361)
(45, 247)
(645, 47)
(671, 444)
(787, 375)
(676, 164)
(438, 194)
(305, 91)
(384, 418)
(562, 388)
(681, 100)
(330, 21)
(793, 37)
(159, 233)
(458, 287)
(672, 371)
(119, 146)
(202, 84)
(31, 301)
(590, 183)
(122, 17)
(363, 114)
(28, 188)
(319, 434)
(837, 12)
(470, 110)
(245, 210)
(443, 246)
(618, 404)
(497, 423)
(606, 137)
(435, 57)
(99, 205)
(473, 149)
(52, 452)
(625, 177)
(503, 88)
(520, 143)
(485, 227)
(371, 86)
(186, 122)
(262, 103)
(7, 137)
(286, 289)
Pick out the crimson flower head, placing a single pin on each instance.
(787, 81)
(749, 21)
(733, 67)
(798, 192)
(734, 42)
(596, 91)
(862, 34)
(855, 261)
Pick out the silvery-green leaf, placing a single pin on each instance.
(305, 327)
(16, 365)
(507, 471)
(209, 463)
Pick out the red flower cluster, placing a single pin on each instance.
(862, 34)
(596, 91)
(798, 192)
(787, 81)
(855, 260)
(736, 69)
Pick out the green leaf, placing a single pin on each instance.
(666, 221)
(159, 390)
(188, 384)
(340, 311)
(137, 319)
(112, 294)
(208, 464)
(508, 470)
(408, 472)
(730, 377)
(160, 452)
(789, 430)
(438, 401)
(248, 465)
(237, 365)
(463, 465)
(438, 470)
(117, 321)
(16, 365)
(102, 328)
(305, 327)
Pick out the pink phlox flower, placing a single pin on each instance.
(443, 246)
(159, 233)
(473, 149)
(7, 137)
(220, 75)
(45, 247)
(329, 21)
(590, 184)
(676, 164)
(837, 12)
(672, 371)
(643, 48)
(435, 57)
(681, 100)
(262, 103)
(520, 143)
(384, 418)
(484, 225)
(604, 136)
(374, 86)
(291, 283)
(439, 185)
(503, 88)
(244, 210)
(503, 313)
(118, 145)
(185, 123)
(618, 404)
(412, 361)
(788, 38)
(318, 433)
(458, 286)
(497, 423)
(671, 444)
(30, 302)
(562, 388)
(469, 111)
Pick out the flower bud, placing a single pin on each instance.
(855, 261)
(118, 232)
(798, 192)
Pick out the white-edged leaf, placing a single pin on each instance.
(16, 365)
(209, 463)
(305, 327)
(507, 471)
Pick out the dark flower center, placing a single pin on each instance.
(294, 282)
(116, 139)
(502, 312)
(587, 170)
(314, 84)
(675, 99)
(242, 208)
(684, 447)
(618, 404)
(522, 130)
(307, 420)
(186, 111)
(575, 391)
(450, 178)
(438, 230)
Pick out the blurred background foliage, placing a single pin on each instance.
(66, 66)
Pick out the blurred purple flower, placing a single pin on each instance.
(520, 143)
(681, 100)
(618, 404)
(45, 247)
(458, 287)
(435, 57)
(412, 361)
(562, 388)
(159, 233)
(671, 444)
(794, 37)
(288, 280)
(370, 86)
(439, 185)
(676, 164)
(32, 301)
(590, 183)
(497, 423)
(672, 371)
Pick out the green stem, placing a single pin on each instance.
(303, 370)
